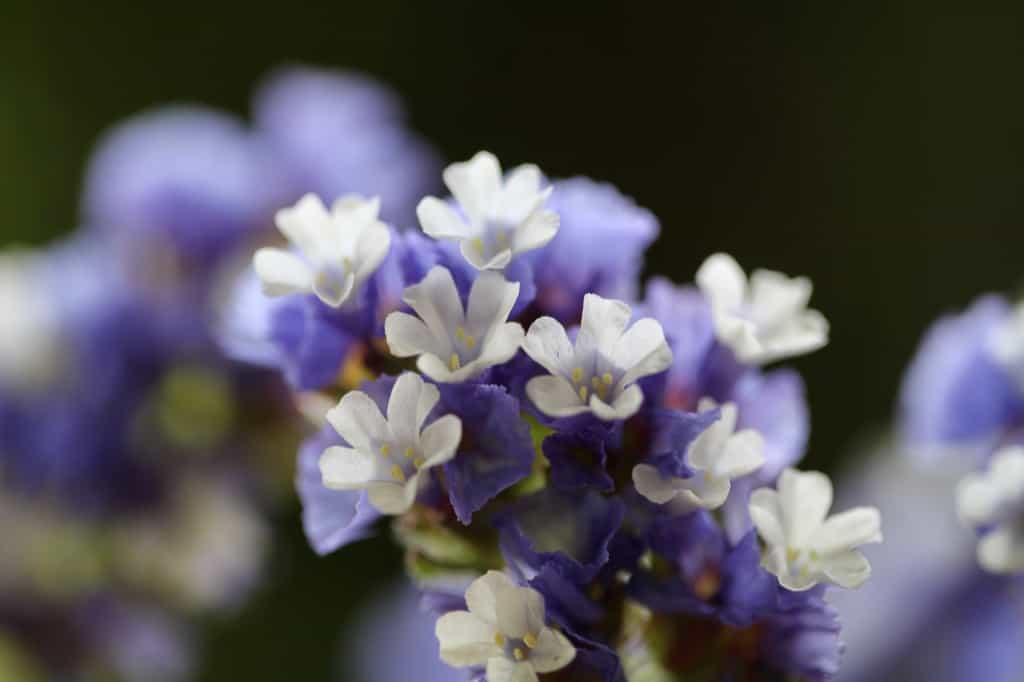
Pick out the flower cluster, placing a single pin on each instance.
(963, 399)
(137, 462)
(589, 485)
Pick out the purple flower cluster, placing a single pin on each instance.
(136, 458)
(538, 487)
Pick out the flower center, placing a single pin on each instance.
(516, 649)
(465, 348)
(587, 384)
(401, 462)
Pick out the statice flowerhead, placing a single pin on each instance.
(192, 179)
(336, 133)
(500, 217)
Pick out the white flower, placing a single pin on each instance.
(764, 320)
(995, 500)
(503, 630)
(597, 374)
(31, 341)
(453, 344)
(387, 456)
(717, 456)
(805, 547)
(503, 217)
(337, 251)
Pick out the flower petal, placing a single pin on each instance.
(440, 440)
(766, 514)
(436, 300)
(847, 569)
(439, 221)
(536, 231)
(344, 468)
(410, 402)
(282, 272)
(624, 406)
(548, 345)
(504, 670)
(604, 321)
(371, 250)
(743, 454)
(482, 595)
(393, 498)
(408, 335)
(1002, 551)
(805, 498)
(520, 194)
(847, 530)
(483, 261)
(553, 651)
(723, 281)
(652, 485)
(641, 351)
(358, 420)
(490, 301)
(465, 639)
(475, 184)
(304, 223)
(554, 396)
(333, 288)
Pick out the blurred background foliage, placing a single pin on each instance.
(876, 148)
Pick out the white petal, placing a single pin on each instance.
(805, 498)
(847, 569)
(343, 468)
(521, 194)
(553, 651)
(482, 595)
(480, 261)
(649, 483)
(465, 639)
(722, 280)
(1007, 468)
(848, 530)
(604, 321)
(766, 516)
(536, 231)
(802, 334)
(393, 498)
(1002, 551)
(437, 369)
(332, 287)
(711, 494)
(358, 420)
(475, 184)
(501, 345)
(740, 335)
(641, 351)
(410, 402)
(799, 582)
(776, 296)
(743, 454)
(408, 336)
(548, 345)
(490, 301)
(440, 440)
(304, 224)
(504, 670)
(624, 406)
(520, 611)
(554, 396)
(371, 250)
(439, 221)
(436, 301)
(282, 272)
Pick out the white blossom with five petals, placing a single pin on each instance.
(599, 372)
(804, 547)
(762, 320)
(334, 252)
(455, 344)
(503, 217)
(717, 456)
(994, 500)
(388, 456)
(504, 630)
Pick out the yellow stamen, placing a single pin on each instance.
(409, 452)
(460, 333)
(606, 378)
(385, 449)
(470, 341)
(499, 639)
(583, 393)
(478, 244)
(577, 375)
(419, 462)
(454, 362)
(519, 654)
(530, 640)
(792, 555)
(398, 474)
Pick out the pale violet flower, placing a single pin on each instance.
(386, 456)
(598, 373)
(334, 252)
(804, 547)
(994, 500)
(764, 319)
(717, 456)
(501, 217)
(504, 630)
(455, 344)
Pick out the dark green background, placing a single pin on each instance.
(876, 149)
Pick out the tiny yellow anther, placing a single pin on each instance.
(606, 378)
(577, 375)
(409, 452)
(791, 554)
(419, 462)
(530, 640)
(460, 333)
(519, 654)
(385, 449)
(398, 474)
(478, 244)
(583, 393)
(454, 362)
(499, 639)
(470, 341)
